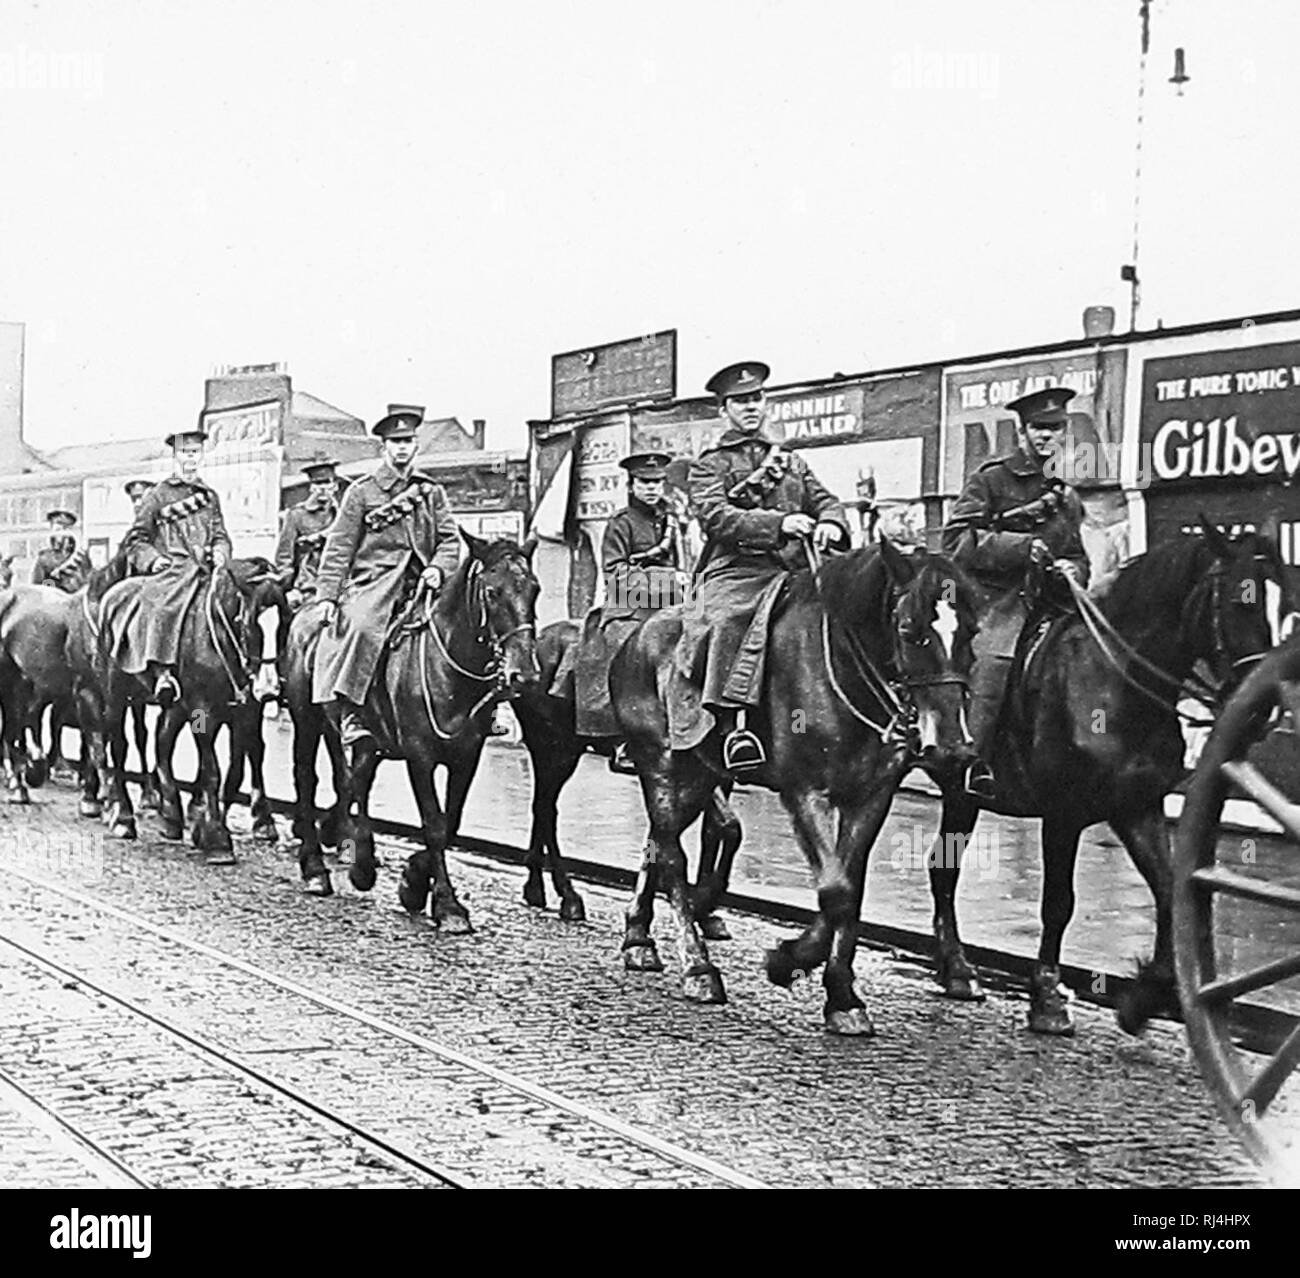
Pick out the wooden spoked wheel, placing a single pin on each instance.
(1237, 913)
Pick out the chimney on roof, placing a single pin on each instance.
(1098, 321)
(480, 431)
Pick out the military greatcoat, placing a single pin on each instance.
(179, 523)
(389, 528)
(302, 540)
(745, 557)
(989, 534)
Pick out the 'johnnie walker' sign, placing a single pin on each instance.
(816, 415)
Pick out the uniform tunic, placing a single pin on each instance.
(302, 541)
(633, 592)
(45, 572)
(997, 556)
(388, 529)
(179, 521)
(745, 558)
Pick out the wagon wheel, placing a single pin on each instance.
(1237, 914)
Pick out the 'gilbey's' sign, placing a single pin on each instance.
(1226, 414)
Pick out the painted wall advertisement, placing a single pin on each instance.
(978, 426)
(1220, 433)
(601, 481)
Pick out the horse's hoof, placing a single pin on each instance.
(714, 928)
(454, 921)
(329, 832)
(534, 894)
(780, 967)
(412, 899)
(961, 983)
(704, 986)
(318, 885)
(850, 1022)
(36, 773)
(266, 831)
(361, 874)
(122, 830)
(18, 794)
(1055, 1021)
(173, 831)
(643, 958)
(219, 856)
(213, 838)
(90, 808)
(573, 910)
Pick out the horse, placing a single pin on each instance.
(1090, 732)
(34, 623)
(219, 650)
(448, 661)
(866, 674)
(554, 748)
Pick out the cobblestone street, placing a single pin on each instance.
(946, 1094)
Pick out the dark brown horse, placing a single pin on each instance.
(1090, 733)
(554, 747)
(449, 662)
(866, 675)
(220, 652)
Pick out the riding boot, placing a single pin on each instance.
(166, 688)
(987, 688)
(742, 751)
(352, 727)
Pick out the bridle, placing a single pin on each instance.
(1208, 593)
(484, 638)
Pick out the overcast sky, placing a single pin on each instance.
(424, 201)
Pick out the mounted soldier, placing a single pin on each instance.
(135, 489)
(644, 561)
(757, 505)
(302, 534)
(1014, 512)
(179, 539)
(60, 564)
(394, 534)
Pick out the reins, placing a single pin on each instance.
(239, 689)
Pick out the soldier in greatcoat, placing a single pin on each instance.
(56, 564)
(393, 529)
(302, 534)
(1014, 511)
(756, 504)
(178, 539)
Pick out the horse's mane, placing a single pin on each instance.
(854, 588)
(1153, 587)
(489, 555)
(110, 574)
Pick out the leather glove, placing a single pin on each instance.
(431, 578)
(161, 564)
(1040, 552)
(826, 535)
(294, 599)
(1068, 569)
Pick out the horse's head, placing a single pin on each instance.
(1225, 620)
(502, 590)
(258, 600)
(932, 625)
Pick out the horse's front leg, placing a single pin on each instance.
(431, 863)
(211, 834)
(149, 797)
(954, 971)
(92, 752)
(813, 821)
(169, 726)
(1154, 991)
(840, 900)
(354, 789)
(16, 709)
(720, 836)
(306, 741)
(121, 815)
(259, 806)
(1049, 1005)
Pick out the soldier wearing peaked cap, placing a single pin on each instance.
(1014, 511)
(643, 558)
(756, 504)
(394, 529)
(178, 538)
(302, 533)
(57, 564)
